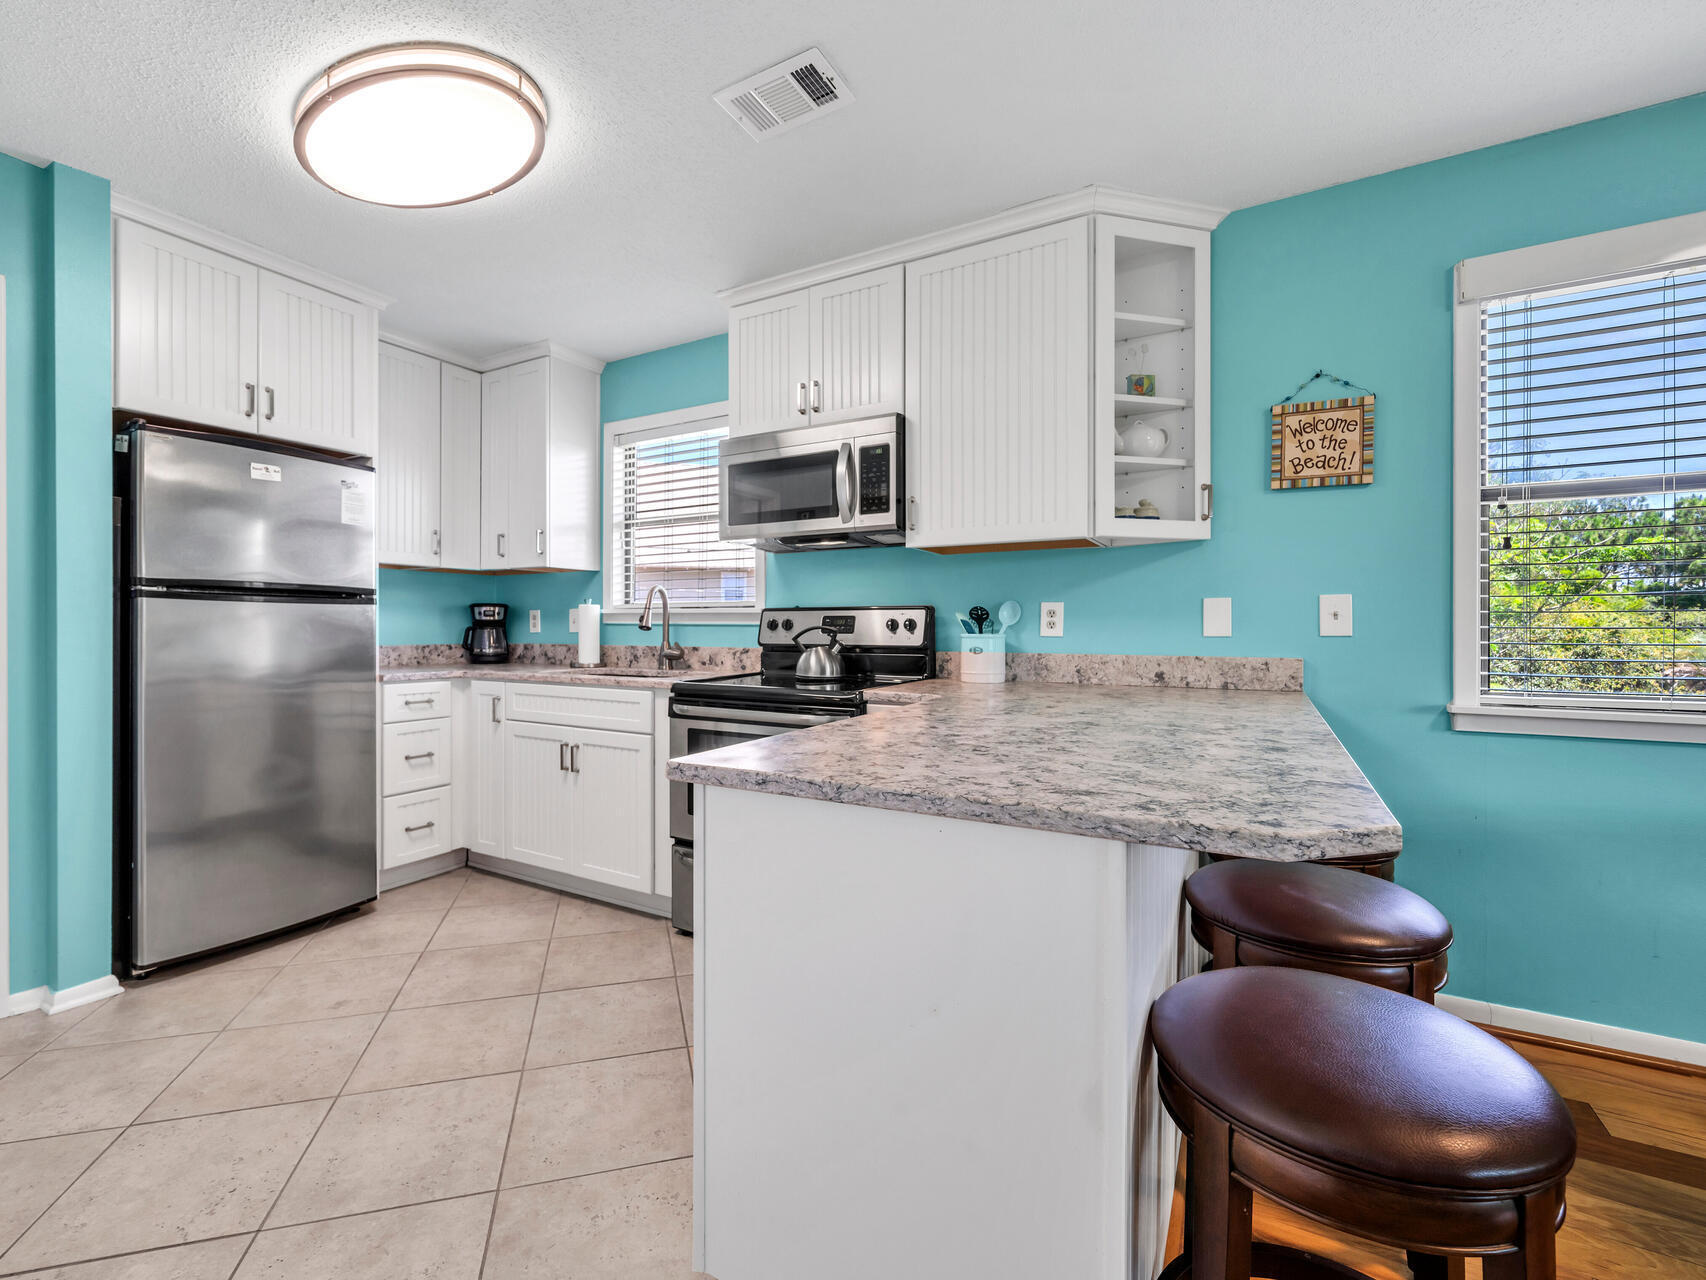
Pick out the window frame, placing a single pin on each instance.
(1580, 261)
(653, 426)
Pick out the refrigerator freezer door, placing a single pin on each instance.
(255, 729)
(227, 513)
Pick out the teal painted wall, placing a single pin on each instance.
(55, 254)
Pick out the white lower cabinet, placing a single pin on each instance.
(417, 825)
(540, 795)
(486, 803)
(417, 763)
(580, 802)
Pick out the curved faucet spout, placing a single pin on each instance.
(668, 654)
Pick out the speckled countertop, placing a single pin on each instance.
(1220, 771)
(533, 673)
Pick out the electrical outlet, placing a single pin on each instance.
(575, 620)
(533, 621)
(1053, 616)
(1217, 615)
(1335, 615)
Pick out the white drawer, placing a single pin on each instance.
(417, 700)
(416, 826)
(581, 706)
(415, 756)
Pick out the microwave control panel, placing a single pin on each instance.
(874, 471)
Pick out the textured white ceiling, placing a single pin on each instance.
(648, 198)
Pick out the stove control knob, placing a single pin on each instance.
(893, 624)
(787, 624)
(911, 625)
(771, 625)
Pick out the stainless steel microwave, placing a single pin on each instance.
(813, 488)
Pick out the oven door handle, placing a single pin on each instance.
(767, 719)
(844, 481)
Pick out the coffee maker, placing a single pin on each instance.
(488, 639)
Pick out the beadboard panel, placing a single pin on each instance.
(857, 358)
(768, 364)
(408, 460)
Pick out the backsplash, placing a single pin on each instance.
(698, 657)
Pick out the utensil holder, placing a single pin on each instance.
(983, 659)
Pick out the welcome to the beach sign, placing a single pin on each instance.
(1321, 443)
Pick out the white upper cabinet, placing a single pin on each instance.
(539, 466)
(769, 365)
(459, 467)
(317, 367)
(997, 391)
(408, 462)
(185, 322)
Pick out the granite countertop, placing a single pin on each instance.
(536, 673)
(1251, 774)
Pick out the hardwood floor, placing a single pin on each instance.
(1637, 1196)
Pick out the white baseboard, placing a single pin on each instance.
(1621, 1039)
(51, 1001)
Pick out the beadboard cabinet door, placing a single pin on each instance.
(769, 364)
(539, 791)
(997, 393)
(459, 468)
(408, 462)
(529, 428)
(612, 840)
(318, 375)
(485, 773)
(184, 330)
(858, 359)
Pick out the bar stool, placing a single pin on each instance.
(1299, 915)
(1361, 1108)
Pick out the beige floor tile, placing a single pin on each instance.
(474, 973)
(32, 1174)
(177, 1006)
(403, 1146)
(26, 1032)
(262, 955)
(311, 992)
(599, 959)
(576, 916)
(685, 986)
(434, 894)
(606, 1022)
(11, 1060)
(486, 926)
(170, 1183)
(633, 1224)
(682, 946)
(482, 890)
(445, 1042)
(204, 1260)
(97, 1087)
(444, 1240)
(595, 1116)
(372, 933)
(263, 1066)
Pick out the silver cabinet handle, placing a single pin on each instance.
(421, 755)
(912, 513)
(844, 479)
(436, 547)
(1208, 501)
(539, 542)
(569, 757)
(497, 717)
(817, 396)
(271, 404)
(249, 390)
(419, 702)
(424, 826)
(800, 399)
(501, 544)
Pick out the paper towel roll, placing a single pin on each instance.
(588, 635)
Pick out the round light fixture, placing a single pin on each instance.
(417, 126)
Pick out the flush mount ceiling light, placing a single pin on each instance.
(417, 126)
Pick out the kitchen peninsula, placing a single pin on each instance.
(931, 936)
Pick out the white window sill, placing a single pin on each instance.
(1629, 726)
(684, 616)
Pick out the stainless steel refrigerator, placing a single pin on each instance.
(247, 695)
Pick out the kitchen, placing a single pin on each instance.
(516, 1053)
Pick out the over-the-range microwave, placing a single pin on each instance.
(813, 488)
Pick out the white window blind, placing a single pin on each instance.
(1593, 495)
(665, 505)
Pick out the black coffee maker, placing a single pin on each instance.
(488, 639)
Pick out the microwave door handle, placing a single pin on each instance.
(844, 482)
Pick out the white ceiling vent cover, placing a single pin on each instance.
(787, 94)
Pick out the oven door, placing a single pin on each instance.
(812, 481)
(696, 729)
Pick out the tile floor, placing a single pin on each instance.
(473, 1079)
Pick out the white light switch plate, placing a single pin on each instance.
(533, 620)
(1217, 615)
(1335, 615)
(1052, 615)
(575, 620)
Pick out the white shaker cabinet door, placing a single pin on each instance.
(613, 827)
(318, 367)
(408, 460)
(529, 462)
(485, 775)
(497, 443)
(857, 356)
(539, 790)
(184, 330)
(997, 392)
(459, 468)
(769, 364)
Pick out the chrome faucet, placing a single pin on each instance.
(667, 653)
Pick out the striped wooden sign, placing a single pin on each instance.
(1319, 444)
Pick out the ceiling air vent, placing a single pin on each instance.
(787, 94)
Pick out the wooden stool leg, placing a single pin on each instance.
(1537, 1257)
(1220, 1211)
(1431, 1266)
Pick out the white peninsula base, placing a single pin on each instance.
(920, 1046)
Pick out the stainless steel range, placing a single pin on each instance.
(845, 651)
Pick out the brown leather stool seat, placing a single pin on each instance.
(1361, 1108)
(1330, 919)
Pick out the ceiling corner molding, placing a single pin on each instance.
(136, 211)
(1023, 217)
(438, 351)
(533, 350)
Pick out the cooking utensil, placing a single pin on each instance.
(965, 624)
(819, 661)
(1009, 614)
(979, 615)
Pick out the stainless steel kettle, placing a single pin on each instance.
(819, 661)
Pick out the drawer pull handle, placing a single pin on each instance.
(424, 826)
(419, 702)
(421, 755)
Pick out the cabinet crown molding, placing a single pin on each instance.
(500, 360)
(136, 211)
(1024, 217)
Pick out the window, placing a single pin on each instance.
(664, 521)
(1581, 500)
